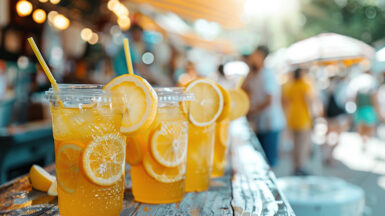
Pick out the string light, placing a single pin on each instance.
(94, 39)
(86, 34)
(54, 1)
(112, 4)
(124, 23)
(52, 15)
(39, 16)
(121, 12)
(61, 22)
(23, 8)
(43, 1)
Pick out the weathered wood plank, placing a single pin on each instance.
(254, 188)
(216, 201)
(17, 198)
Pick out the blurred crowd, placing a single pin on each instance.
(281, 109)
(352, 99)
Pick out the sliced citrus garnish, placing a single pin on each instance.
(104, 159)
(162, 173)
(240, 103)
(67, 166)
(208, 103)
(40, 179)
(136, 99)
(223, 131)
(52, 191)
(133, 152)
(226, 104)
(169, 143)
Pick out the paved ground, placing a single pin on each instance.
(364, 169)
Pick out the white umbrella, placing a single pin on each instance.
(328, 47)
(379, 62)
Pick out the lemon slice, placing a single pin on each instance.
(104, 159)
(208, 103)
(161, 173)
(40, 179)
(240, 103)
(223, 131)
(133, 151)
(226, 104)
(52, 191)
(169, 144)
(67, 167)
(136, 99)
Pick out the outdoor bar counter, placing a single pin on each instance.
(248, 188)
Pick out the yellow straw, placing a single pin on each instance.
(128, 56)
(240, 82)
(43, 64)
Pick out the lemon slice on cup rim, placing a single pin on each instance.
(208, 103)
(136, 100)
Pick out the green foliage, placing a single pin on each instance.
(360, 19)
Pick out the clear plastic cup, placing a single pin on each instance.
(89, 151)
(200, 157)
(158, 176)
(220, 148)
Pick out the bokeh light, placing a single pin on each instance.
(51, 15)
(86, 34)
(148, 58)
(124, 23)
(22, 62)
(61, 22)
(39, 16)
(111, 5)
(94, 38)
(55, 1)
(24, 8)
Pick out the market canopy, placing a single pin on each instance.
(329, 48)
(227, 13)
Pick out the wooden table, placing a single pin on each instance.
(248, 188)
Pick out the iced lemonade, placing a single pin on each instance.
(220, 148)
(221, 136)
(158, 176)
(89, 151)
(200, 157)
(204, 110)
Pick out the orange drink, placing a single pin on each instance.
(221, 136)
(200, 157)
(220, 147)
(89, 151)
(158, 174)
(204, 110)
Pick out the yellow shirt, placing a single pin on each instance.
(298, 113)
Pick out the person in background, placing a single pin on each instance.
(298, 99)
(367, 114)
(221, 78)
(138, 46)
(381, 94)
(265, 115)
(189, 74)
(3, 79)
(337, 119)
